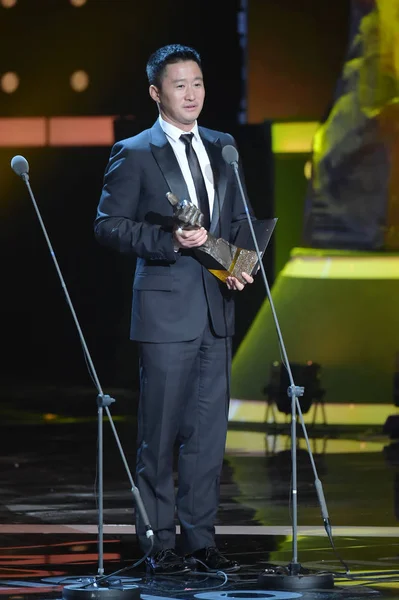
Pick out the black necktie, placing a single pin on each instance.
(198, 178)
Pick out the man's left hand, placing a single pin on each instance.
(233, 283)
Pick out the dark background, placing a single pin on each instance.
(44, 41)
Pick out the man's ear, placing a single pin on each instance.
(154, 93)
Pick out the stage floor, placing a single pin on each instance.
(49, 514)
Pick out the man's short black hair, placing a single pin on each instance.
(167, 55)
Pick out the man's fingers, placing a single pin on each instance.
(248, 278)
(188, 234)
(234, 284)
(191, 238)
(196, 235)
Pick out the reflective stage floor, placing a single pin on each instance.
(49, 509)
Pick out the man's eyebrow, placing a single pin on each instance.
(184, 79)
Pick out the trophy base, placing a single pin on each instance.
(244, 261)
(224, 259)
(220, 274)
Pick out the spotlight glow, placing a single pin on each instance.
(8, 3)
(9, 82)
(79, 81)
(78, 3)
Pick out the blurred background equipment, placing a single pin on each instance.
(307, 376)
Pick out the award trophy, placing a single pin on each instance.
(219, 256)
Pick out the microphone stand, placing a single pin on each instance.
(292, 577)
(93, 587)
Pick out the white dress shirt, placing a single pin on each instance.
(179, 148)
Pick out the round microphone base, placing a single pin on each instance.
(113, 589)
(277, 581)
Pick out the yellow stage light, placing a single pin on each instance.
(293, 137)
(79, 81)
(78, 3)
(8, 3)
(9, 82)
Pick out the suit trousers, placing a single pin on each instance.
(184, 401)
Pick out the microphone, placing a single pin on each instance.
(230, 155)
(20, 166)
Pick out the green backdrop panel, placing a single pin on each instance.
(341, 311)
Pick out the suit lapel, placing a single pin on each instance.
(167, 162)
(214, 149)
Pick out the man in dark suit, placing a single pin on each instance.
(182, 315)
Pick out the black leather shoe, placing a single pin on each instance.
(211, 560)
(167, 562)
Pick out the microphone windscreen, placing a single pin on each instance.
(20, 165)
(230, 154)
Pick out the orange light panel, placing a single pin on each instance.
(24, 131)
(56, 131)
(81, 131)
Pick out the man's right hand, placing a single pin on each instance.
(189, 238)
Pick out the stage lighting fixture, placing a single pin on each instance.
(79, 81)
(9, 82)
(306, 375)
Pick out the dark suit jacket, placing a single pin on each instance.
(173, 294)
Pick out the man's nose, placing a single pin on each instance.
(190, 93)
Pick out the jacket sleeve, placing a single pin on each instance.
(116, 224)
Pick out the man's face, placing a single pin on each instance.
(181, 96)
